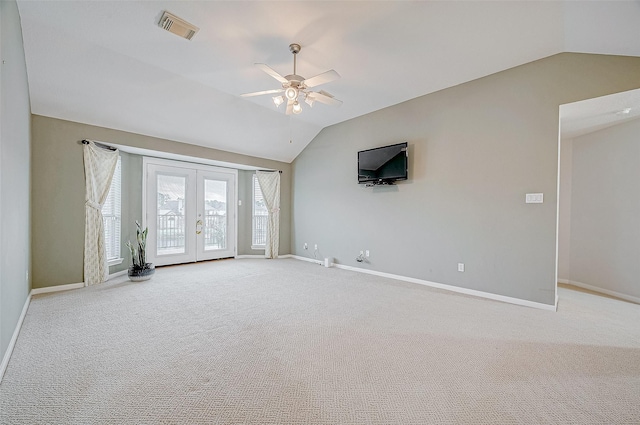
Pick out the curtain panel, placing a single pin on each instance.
(99, 165)
(270, 186)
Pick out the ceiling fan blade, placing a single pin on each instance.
(274, 74)
(260, 93)
(289, 110)
(326, 98)
(323, 78)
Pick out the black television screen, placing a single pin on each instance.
(383, 165)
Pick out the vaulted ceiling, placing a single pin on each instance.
(108, 63)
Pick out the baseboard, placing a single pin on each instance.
(565, 281)
(311, 260)
(260, 256)
(57, 288)
(437, 285)
(116, 274)
(625, 297)
(69, 286)
(14, 338)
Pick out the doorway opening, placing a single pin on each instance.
(598, 221)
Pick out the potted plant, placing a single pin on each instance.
(139, 269)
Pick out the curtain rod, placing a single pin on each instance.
(268, 171)
(86, 142)
(102, 145)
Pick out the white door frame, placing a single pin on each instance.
(230, 179)
(232, 208)
(151, 171)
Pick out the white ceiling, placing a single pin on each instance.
(107, 63)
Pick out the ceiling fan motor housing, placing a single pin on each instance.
(295, 80)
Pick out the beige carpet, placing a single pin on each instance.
(290, 342)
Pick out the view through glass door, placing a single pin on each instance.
(190, 211)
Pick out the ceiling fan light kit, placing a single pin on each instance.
(291, 93)
(294, 85)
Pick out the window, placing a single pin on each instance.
(112, 216)
(259, 226)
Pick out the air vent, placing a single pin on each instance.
(177, 26)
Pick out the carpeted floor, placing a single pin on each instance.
(290, 342)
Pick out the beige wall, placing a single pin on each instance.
(475, 150)
(15, 115)
(58, 192)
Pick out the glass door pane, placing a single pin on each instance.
(215, 214)
(170, 214)
(171, 225)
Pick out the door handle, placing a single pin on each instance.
(198, 227)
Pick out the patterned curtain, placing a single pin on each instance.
(99, 165)
(270, 186)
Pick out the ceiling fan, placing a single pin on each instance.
(295, 86)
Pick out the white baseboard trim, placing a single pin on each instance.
(240, 257)
(57, 288)
(565, 281)
(311, 260)
(116, 274)
(451, 288)
(14, 338)
(625, 297)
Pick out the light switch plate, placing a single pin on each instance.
(534, 198)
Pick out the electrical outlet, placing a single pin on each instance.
(306, 246)
(460, 267)
(315, 247)
(27, 275)
(366, 253)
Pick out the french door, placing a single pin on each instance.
(190, 210)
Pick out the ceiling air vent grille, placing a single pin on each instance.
(177, 26)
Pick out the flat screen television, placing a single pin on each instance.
(383, 165)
